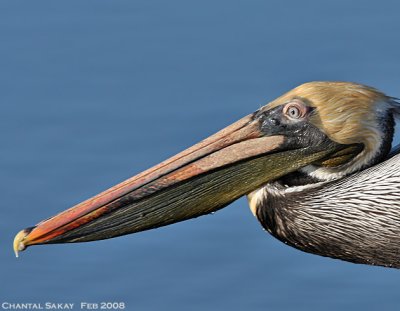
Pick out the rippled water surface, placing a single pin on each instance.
(93, 92)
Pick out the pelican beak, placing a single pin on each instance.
(197, 181)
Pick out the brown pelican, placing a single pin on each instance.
(314, 163)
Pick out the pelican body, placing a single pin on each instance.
(356, 218)
(315, 164)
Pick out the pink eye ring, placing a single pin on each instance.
(295, 109)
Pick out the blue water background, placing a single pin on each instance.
(92, 92)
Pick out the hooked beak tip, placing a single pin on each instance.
(19, 241)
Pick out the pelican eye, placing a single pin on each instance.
(293, 112)
(295, 109)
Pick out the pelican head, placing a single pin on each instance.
(300, 143)
(348, 113)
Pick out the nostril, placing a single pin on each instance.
(275, 121)
(271, 122)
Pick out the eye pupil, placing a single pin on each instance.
(294, 112)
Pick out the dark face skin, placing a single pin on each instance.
(291, 119)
